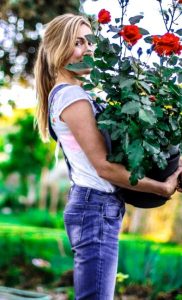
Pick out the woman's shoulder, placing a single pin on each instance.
(69, 91)
(63, 95)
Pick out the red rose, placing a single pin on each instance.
(167, 44)
(152, 98)
(180, 1)
(104, 16)
(131, 34)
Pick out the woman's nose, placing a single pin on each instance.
(88, 52)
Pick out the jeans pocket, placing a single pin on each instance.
(112, 220)
(73, 224)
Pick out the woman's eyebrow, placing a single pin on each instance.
(81, 38)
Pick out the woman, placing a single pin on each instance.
(94, 211)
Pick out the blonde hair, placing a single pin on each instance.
(55, 49)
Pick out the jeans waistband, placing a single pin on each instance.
(89, 194)
(87, 190)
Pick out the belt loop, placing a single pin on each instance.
(87, 194)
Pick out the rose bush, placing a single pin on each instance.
(143, 114)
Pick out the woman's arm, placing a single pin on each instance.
(81, 121)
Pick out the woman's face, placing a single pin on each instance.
(82, 47)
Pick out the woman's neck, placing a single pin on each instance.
(67, 77)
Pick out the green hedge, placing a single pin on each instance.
(34, 217)
(19, 245)
(145, 261)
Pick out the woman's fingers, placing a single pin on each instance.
(179, 183)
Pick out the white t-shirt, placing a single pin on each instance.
(83, 172)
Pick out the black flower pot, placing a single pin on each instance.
(149, 200)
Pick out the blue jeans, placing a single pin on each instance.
(93, 220)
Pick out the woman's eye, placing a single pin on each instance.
(78, 43)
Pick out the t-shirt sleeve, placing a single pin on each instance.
(69, 95)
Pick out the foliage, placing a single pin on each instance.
(28, 154)
(144, 101)
(155, 264)
(120, 278)
(21, 23)
(34, 217)
(38, 255)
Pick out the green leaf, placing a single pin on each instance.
(133, 129)
(115, 79)
(130, 108)
(179, 32)
(95, 76)
(125, 65)
(88, 86)
(144, 85)
(160, 160)
(117, 48)
(89, 61)
(126, 83)
(101, 64)
(143, 31)
(148, 39)
(179, 77)
(136, 174)
(135, 154)
(117, 20)
(173, 60)
(145, 100)
(104, 45)
(135, 19)
(157, 66)
(173, 123)
(114, 28)
(91, 38)
(112, 61)
(147, 116)
(151, 148)
(116, 134)
(116, 36)
(125, 141)
(77, 67)
(163, 126)
(158, 111)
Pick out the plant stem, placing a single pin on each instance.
(123, 12)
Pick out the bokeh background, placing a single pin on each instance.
(34, 250)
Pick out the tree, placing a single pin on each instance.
(28, 154)
(21, 23)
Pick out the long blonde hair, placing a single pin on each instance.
(55, 49)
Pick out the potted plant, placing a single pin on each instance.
(143, 115)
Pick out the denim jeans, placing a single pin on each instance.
(93, 220)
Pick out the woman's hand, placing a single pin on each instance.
(172, 183)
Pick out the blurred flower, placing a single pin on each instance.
(41, 263)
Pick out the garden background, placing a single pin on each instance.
(34, 251)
